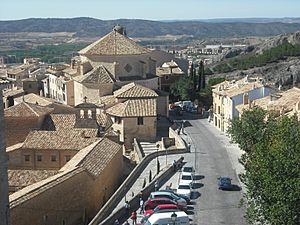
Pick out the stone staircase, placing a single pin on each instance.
(148, 147)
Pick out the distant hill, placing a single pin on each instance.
(89, 27)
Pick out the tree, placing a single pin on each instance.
(183, 88)
(272, 166)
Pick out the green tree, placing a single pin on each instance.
(272, 166)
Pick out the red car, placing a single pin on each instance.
(162, 208)
(152, 203)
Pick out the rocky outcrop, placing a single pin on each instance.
(281, 73)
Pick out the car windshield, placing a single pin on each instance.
(187, 177)
(187, 187)
(188, 169)
(175, 197)
(225, 180)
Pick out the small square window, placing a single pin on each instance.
(27, 158)
(39, 158)
(140, 121)
(68, 158)
(53, 158)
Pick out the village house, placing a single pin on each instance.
(72, 194)
(169, 73)
(228, 94)
(134, 113)
(281, 103)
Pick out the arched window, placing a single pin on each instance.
(90, 114)
(81, 114)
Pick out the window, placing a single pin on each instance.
(29, 86)
(81, 114)
(166, 77)
(90, 114)
(27, 158)
(53, 158)
(39, 158)
(140, 121)
(68, 158)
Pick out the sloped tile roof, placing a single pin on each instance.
(104, 119)
(98, 75)
(100, 156)
(58, 140)
(163, 71)
(286, 101)
(33, 99)
(133, 90)
(134, 108)
(114, 44)
(108, 100)
(27, 110)
(59, 121)
(23, 178)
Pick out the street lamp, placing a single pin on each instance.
(157, 162)
(173, 217)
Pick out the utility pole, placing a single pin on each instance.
(4, 203)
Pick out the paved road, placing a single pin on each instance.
(211, 160)
(212, 156)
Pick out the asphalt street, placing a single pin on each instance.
(209, 156)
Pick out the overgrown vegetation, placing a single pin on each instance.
(272, 166)
(274, 54)
(47, 53)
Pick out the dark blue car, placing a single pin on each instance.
(224, 183)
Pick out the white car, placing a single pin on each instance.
(187, 179)
(188, 170)
(184, 189)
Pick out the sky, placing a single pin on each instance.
(148, 9)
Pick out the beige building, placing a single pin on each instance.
(281, 103)
(228, 94)
(168, 74)
(71, 195)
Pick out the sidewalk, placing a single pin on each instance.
(138, 185)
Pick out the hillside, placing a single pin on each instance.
(278, 60)
(89, 27)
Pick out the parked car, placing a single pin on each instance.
(187, 179)
(224, 183)
(162, 208)
(152, 203)
(184, 189)
(186, 104)
(187, 199)
(182, 204)
(166, 218)
(188, 170)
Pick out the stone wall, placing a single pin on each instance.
(145, 132)
(4, 209)
(102, 216)
(70, 197)
(17, 158)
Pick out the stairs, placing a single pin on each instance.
(148, 147)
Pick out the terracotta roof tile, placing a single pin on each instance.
(134, 108)
(58, 140)
(59, 121)
(100, 156)
(27, 110)
(33, 99)
(23, 178)
(133, 90)
(98, 75)
(114, 44)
